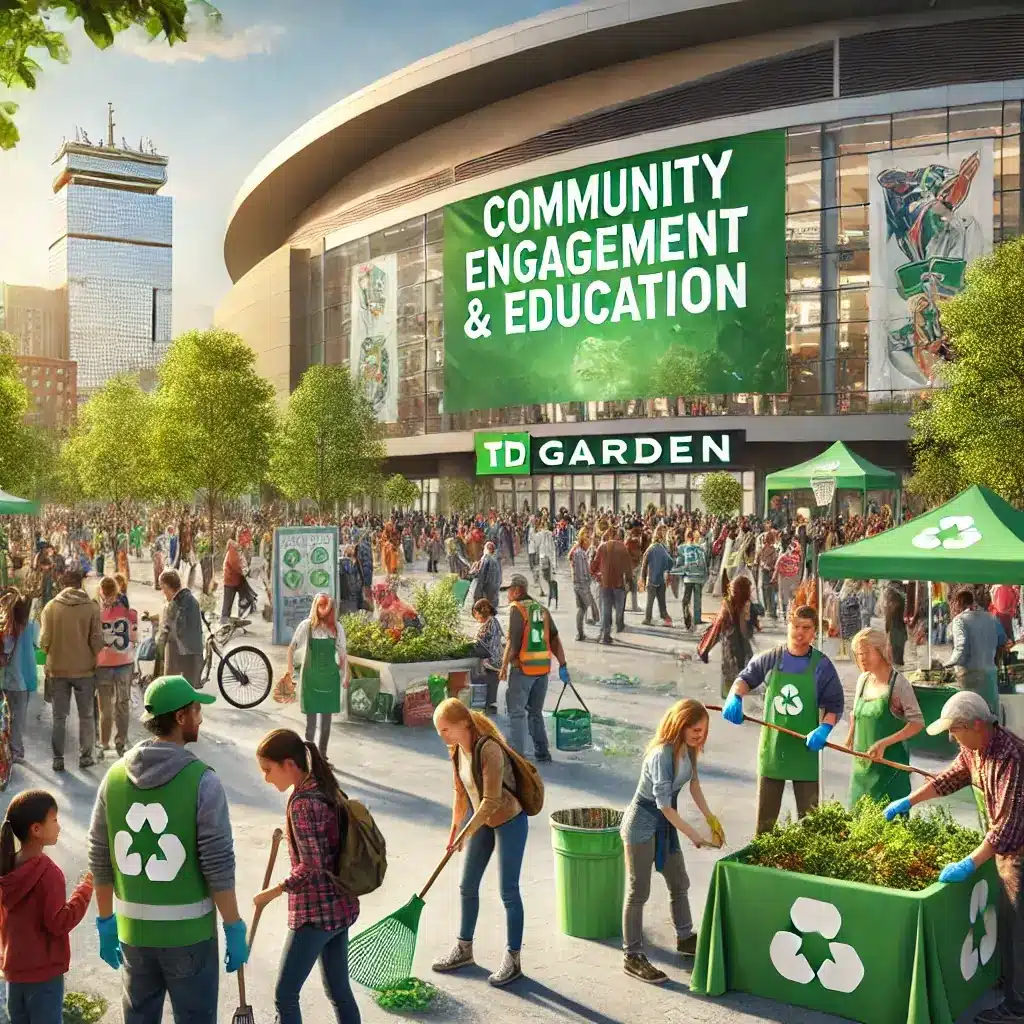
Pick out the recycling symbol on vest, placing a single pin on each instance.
(788, 701)
(843, 973)
(972, 957)
(954, 533)
(157, 870)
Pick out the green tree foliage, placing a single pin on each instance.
(722, 494)
(328, 447)
(972, 430)
(214, 418)
(15, 460)
(401, 492)
(31, 29)
(458, 495)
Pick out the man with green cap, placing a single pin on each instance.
(162, 854)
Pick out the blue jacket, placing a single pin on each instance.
(20, 674)
(657, 562)
(692, 563)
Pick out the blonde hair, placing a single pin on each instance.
(683, 715)
(454, 712)
(872, 638)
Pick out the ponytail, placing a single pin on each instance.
(322, 774)
(8, 853)
(285, 745)
(27, 809)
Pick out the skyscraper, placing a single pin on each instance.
(113, 254)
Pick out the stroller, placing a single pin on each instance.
(147, 661)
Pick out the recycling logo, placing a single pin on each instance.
(157, 869)
(954, 533)
(788, 702)
(843, 973)
(826, 467)
(972, 957)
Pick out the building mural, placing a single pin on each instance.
(374, 350)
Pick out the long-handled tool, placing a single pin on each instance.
(833, 746)
(244, 1014)
(382, 955)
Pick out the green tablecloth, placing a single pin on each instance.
(931, 699)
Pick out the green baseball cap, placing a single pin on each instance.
(172, 693)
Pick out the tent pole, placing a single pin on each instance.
(929, 624)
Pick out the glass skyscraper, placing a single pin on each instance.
(113, 254)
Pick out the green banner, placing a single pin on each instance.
(658, 275)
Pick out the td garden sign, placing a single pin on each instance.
(519, 454)
(659, 274)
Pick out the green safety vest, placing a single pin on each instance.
(160, 895)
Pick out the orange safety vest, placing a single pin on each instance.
(535, 649)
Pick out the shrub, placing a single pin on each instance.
(722, 494)
(81, 1008)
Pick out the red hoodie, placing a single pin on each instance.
(35, 920)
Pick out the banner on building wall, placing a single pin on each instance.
(374, 345)
(931, 214)
(658, 275)
(305, 563)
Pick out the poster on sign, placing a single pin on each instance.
(305, 564)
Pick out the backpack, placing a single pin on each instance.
(529, 788)
(362, 851)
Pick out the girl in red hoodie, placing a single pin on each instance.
(35, 916)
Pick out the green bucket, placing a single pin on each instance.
(438, 686)
(572, 725)
(590, 871)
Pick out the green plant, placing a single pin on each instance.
(861, 846)
(82, 1008)
(722, 494)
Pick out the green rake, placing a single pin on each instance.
(381, 956)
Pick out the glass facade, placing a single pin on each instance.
(828, 281)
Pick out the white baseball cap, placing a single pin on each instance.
(965, 706)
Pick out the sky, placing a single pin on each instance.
(215, 106)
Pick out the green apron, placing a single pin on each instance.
(790, 700)
(321, 679)
(873, 720)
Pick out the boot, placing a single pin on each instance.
(637, 966)
(687, 946)
(509, 970)
(460, 956)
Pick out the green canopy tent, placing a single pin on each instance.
(848, 470)
(12, 506)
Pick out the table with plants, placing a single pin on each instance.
(842, 912)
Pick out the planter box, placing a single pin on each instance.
(396, 678)
(880, 956)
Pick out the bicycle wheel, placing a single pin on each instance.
(245, 677)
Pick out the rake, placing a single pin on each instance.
(381, 956)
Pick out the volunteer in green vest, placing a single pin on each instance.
(886, 714)
(802, 693)
(163, 858)
(532, 642)
(321, 641)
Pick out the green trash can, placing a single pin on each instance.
(590, 871)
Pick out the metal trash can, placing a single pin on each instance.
(590, 871)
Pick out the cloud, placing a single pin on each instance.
(205, 43)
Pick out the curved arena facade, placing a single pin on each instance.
(589, 257)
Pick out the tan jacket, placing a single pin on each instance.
(72, 635)
(497, 804)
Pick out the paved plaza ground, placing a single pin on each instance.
(404, 776)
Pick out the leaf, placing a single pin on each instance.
(9, 136)
(97, 27)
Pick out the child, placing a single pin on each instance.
(35, 920)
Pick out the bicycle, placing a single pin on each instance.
(245, 675)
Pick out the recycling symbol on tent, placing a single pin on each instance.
(843, 973)
(788, 701)
(157, 869)
(954, 533)
(826, 467)
(972, 957)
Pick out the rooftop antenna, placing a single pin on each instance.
(110, 125)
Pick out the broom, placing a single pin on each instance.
(833, 746)
(244, 1014)
(381, 956)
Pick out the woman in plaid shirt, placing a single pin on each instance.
(319, 912)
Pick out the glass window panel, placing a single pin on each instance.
(316, 354)
(805, 344)
(435, 382)
(410, 361)
(803, 186)
(650, 481)
(803, 143)
(334, 320)
(919, 128)
(502, 483)
(1011, 164)
(411, 301)
(563, 483)
(861, 136)
(649, 498)
(408, 387)
(394, 239)
(583, 482)
(605, 500)
(316, 281)
(853, 180)
(804, 386)
(604, 482)
(677, 481)
(626, 482)
(1011, 117)
(853, 304)
(803, 231)
(853, 225)
(802, 310)
(411, 331)
(435, 294)
(804, 273)
(435, 261)
(1011, 214)
(854, 266)
(982, 121)
(853, 339)
(435, 226)
(851, 374)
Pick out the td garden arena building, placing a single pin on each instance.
(588, 257)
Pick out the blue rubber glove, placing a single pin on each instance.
(237, 951)
(733, 710)
(817, 739)
(110, 947)
(563, 673)
(957, 872)
(897, 807)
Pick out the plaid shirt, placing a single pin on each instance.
(999, 773)
(313, 841)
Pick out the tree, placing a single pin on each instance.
(972, 430)
(109, 455)
(27, 27)
(401, 492)
(214, 418)
(15, 401)
(722, 494)
(458, 495)
(328, 447)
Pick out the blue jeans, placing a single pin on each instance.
(302, 949)
(526, 706)
(36, 1002)
(510, 839)
(190, 975)
(613, 602)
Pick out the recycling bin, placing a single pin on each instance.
(816, 942)
(931, 699)
(590, 871)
